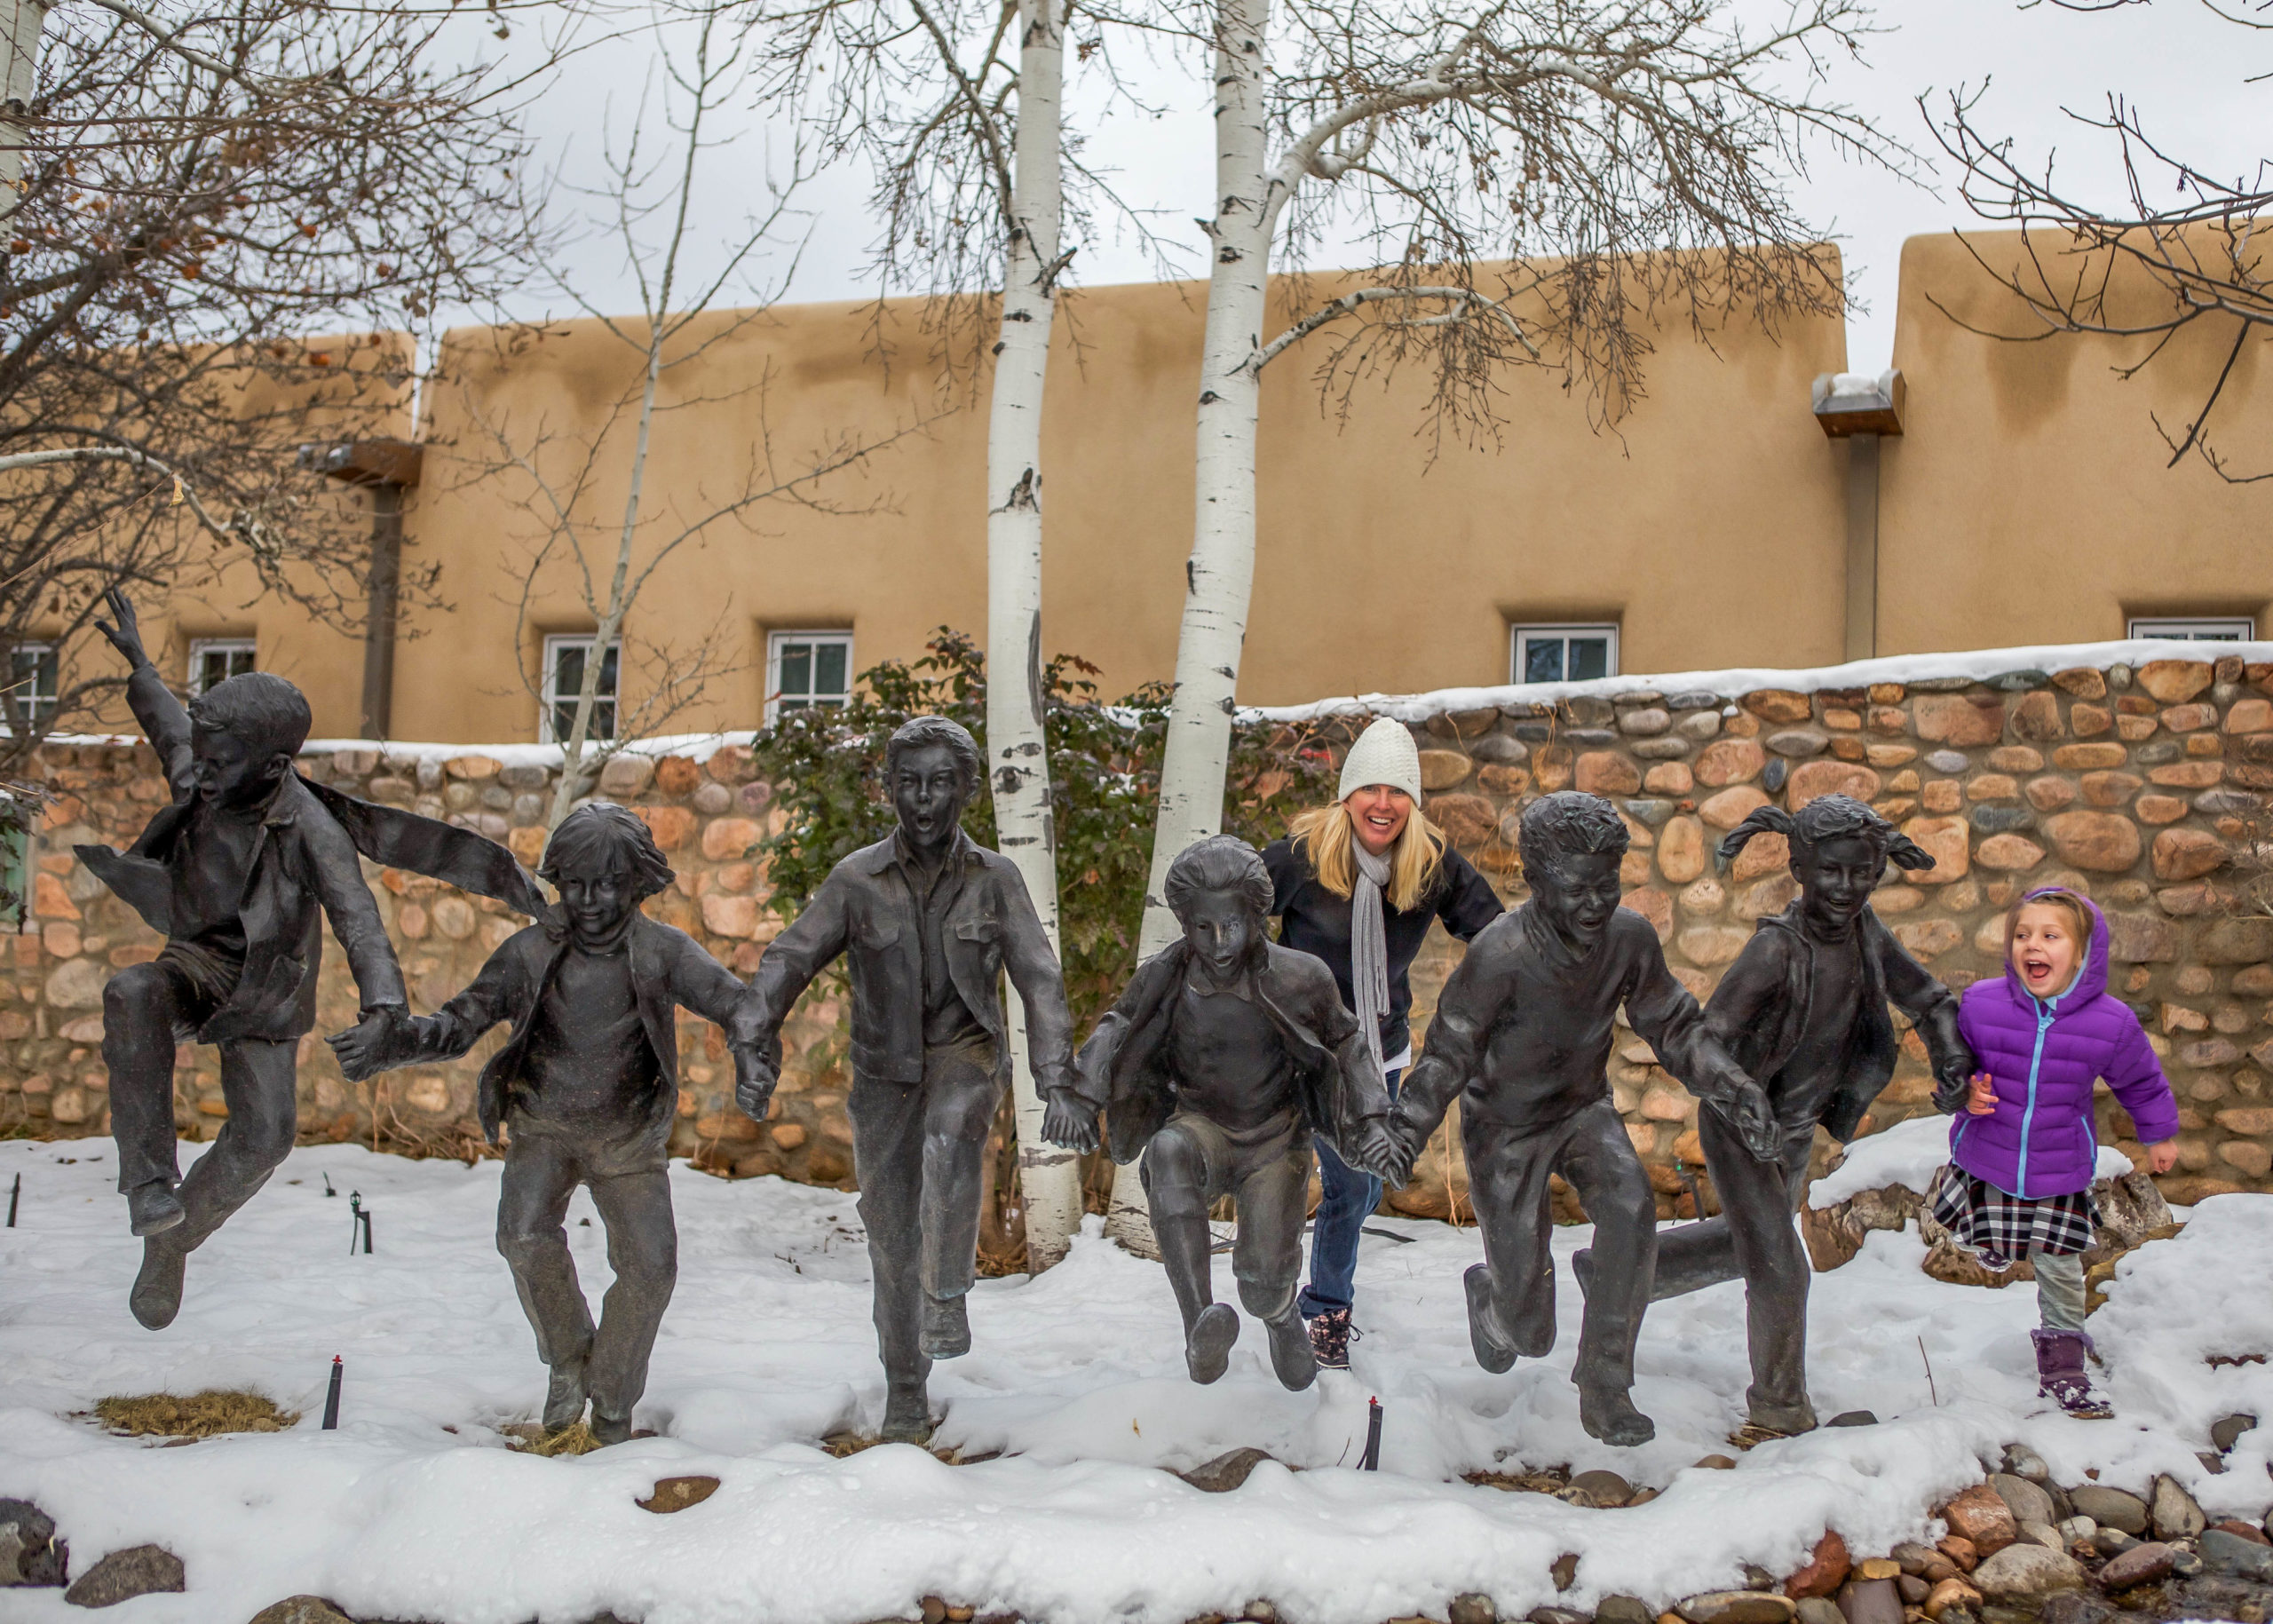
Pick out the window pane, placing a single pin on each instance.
(829, 668)
(1543, 660)
(1590, 658)
(797, 671)
(567, 670)
(240, 662)
(31, 685)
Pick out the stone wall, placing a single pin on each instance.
(2146, 788)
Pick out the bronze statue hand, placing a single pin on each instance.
(1952, 1084)
(755, 1077)
(1385, 1155)
(126, 635)
(367, 1049)
(1747, 1111)
(1069, 1120)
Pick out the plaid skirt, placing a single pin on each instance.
(2005, 1228)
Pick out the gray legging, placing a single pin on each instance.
(2060, 1289)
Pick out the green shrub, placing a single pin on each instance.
(827, 768)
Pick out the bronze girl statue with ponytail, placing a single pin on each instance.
(1804, 1009)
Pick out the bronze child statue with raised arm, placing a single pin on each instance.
(239, 874)
(1522, 1035)
(1223, 1056)
(928, 920)
(587, 1086)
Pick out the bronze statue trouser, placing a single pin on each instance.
(146, 1010)
(1193, 1161)
(919, 1151)
(1754, 1236)
(630, 1186)
(1508, 1170)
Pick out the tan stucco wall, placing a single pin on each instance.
(1377, 569)
(2028, 502)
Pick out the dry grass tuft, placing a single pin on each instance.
(206, 1414)
(531, 1438)
(845, 1443)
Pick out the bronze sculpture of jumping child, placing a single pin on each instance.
(1224, 1055)
(239, 873)
(1522, 1036)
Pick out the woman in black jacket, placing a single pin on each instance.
(1357, 883)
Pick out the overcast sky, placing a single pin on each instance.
(2184, 68)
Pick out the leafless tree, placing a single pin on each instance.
(1540, 183)
(207, 220)
(957, 109)
(648, 205)
(2182, 250)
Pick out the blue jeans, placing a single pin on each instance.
(1350, 1198)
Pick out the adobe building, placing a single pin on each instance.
(1755, 508)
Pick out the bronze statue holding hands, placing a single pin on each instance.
(928, 920)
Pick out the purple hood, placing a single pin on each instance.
(2044, 1057)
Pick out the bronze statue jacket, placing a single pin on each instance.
(1126, 1066)
(1760, 1012)
(304, 867)
(668, 967)
(1523, 1028)
(865, 912)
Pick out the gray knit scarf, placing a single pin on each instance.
(1369, 947)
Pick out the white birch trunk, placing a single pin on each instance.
(1220, 573)
(1019, 762)
(20, 22)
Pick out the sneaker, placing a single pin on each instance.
(1330, 1335)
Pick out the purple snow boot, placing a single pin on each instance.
(2060, 1374)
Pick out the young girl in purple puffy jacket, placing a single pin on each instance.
(2024, 1149)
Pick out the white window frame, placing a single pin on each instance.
(775, 643)
(1565, 630)
(2195, 628)
(552, 699)
(35, 698)
(199, 648)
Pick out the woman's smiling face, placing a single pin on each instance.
(2045, 950)
(1379, 814)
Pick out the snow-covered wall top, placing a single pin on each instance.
(2028, 666)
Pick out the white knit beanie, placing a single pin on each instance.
(1384, 754)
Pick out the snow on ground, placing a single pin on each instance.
(1908, 1154)
(415, 1508)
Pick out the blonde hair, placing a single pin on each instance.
(1324, 837)
(2078, 913)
